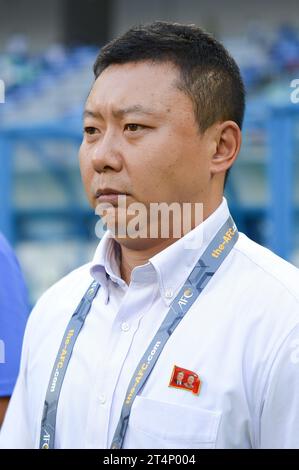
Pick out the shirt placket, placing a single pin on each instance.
(121, 336)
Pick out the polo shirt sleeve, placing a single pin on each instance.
(279, 426)
(14, 312)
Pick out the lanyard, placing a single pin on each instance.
(202, 273)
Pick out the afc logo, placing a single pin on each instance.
(188, 293)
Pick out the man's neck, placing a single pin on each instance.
(132, 256)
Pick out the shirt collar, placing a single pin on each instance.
(174, 264)
(105, 264)
(170, 267)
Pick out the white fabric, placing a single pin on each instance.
(241, 337)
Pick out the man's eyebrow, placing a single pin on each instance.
(121, 112)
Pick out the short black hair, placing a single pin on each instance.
(208, 73)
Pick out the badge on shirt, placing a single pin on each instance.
(185, 379)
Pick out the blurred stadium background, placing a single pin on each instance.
(46, 54)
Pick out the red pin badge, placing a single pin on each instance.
(185, 379)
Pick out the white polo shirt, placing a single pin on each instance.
(241, 337)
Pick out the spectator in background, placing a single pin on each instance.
(14, 311)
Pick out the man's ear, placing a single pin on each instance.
(228, 142)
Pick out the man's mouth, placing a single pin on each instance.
(109, 195)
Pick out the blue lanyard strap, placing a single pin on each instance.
(205, 268)
(71, 334)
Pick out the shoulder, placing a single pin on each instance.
(4, 245)
(266, 321)
(61, 298)
(264, 289)
(267, 268)
(8, 260)
(71, 283)
(12, 286)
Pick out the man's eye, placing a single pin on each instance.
(134, 127)
(90, 130)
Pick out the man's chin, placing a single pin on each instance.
(142, 244)
(136, 244)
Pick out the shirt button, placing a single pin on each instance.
(125, 326)
(168, 293)
(102, 399)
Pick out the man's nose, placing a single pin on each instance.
(107, 154)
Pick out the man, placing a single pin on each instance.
(162, 124)
(179, 378)
(13, 316)
(190, 381)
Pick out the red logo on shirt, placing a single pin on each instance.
(185, 379)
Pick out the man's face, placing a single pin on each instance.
(190, 380)
(180, 376)
(141, 137)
